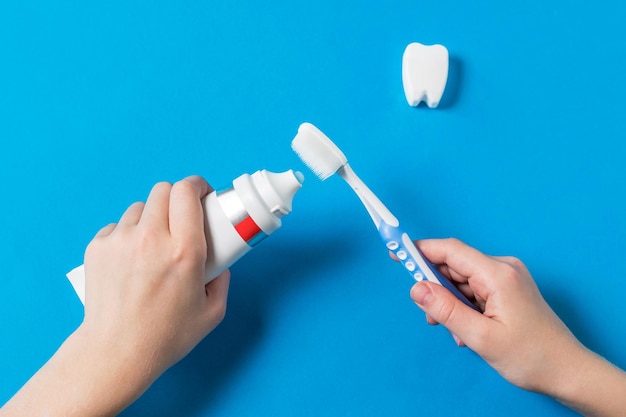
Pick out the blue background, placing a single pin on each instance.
(525, 156)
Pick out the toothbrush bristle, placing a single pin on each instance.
(317, 151)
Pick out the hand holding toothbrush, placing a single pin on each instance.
(518, 334)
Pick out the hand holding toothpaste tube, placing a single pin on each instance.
(146, 307)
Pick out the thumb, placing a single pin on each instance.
(443, 307)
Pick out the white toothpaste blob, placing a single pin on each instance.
(424, 73)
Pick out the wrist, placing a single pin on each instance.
(104, 376)
(570, 375)
(592, 386)
(120, 368)
(85, 377)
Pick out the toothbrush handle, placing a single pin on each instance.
(420, 268)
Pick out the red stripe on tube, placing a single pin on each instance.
(247, 229)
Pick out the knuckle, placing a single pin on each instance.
(516, 263)
(162, 186)
(185, 191)
(509, 273)
(145, 241)
(92, 249)
(454, 243)
(178, 254)
(137, 205)
(98, 239)
(189, 254)
(184, 187)
(446, 313)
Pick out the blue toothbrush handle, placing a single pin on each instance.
(420, 268)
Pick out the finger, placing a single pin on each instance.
(186, 211)
(512, 261)
(217, 295)
(132, 214)
(200, 182)
(452, 274)
(458, 340)
(218, 287)
(156, 210)
(461, 259)
(106, 230)
(467, 291)
(443, 268)
(444, 308)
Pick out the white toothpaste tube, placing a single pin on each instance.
(238, 218)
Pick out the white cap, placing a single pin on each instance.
(278, 189)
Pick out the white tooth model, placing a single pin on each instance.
(424, 73)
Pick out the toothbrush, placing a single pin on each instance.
(325, 158)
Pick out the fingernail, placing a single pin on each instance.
(421, 294)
